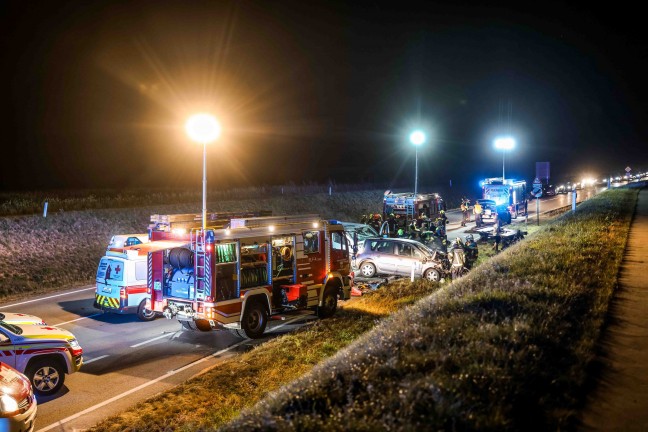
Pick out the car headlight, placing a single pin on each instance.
(8, 405)
(74, 343)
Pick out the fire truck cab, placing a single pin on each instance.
(509, 194)
(238, 275)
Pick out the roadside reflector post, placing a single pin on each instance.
(330, 190)
(45, 210)
(574, 199)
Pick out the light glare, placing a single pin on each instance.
(203, 128)
(504, 143)
(417, 137)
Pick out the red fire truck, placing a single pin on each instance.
(239, 275)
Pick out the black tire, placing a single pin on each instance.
(46, 375)
(255, 320)
(238, 333)
(144, 314)
(368, 269)
(329, 302)
(189, 325)
(432, 275)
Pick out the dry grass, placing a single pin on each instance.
(217, 396)
(505, 348)
(61, 251)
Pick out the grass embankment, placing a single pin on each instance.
(32, 202)
(505, 348)
(217, 396)
(61, 251)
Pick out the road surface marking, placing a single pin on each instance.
(78, 319)
(46, 298)
(85, 362)
(152, 340)
(149, 383)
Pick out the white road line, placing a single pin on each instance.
(47, 298)
(78, 319)
(149, 383)
(151, 340)
(85, 362)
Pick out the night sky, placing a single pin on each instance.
(96, 92)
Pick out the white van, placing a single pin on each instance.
(121, 283)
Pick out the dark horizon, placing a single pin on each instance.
(316, 91)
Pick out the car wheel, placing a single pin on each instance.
(329, 303)
(432, 275)
(255, 320)
(46, 376)
(144, 314)
(368, 269)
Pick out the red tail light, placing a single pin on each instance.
(76, 352)
(122, 293)
(148, 290)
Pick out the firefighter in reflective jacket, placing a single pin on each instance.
(472, 252)
(458, 258)
(478, 210)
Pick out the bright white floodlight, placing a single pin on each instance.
(417, 137)
(203, 128)
(504, 143)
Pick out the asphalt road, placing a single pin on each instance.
(546, 204)
(127, 361)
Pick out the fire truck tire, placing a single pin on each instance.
(47, 375)
(144, 314)
(255, 319)
(329, 302)
(238, 332)
(368, 269)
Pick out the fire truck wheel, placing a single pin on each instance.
(368, 269)
(329, 302)
(255, 319)
(46, 375)
(432, 275)
(144, 314)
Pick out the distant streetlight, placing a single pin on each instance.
(417, 138)
(504, 144)
(203, 129)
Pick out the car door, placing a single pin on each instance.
(408, 257)
(385, 259)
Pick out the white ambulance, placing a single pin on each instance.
(121, 282)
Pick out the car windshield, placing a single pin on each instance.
(426, 249)
(12, 328)
(365, 232)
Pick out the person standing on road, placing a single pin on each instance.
(478, 214)
(392, 225)
(465, 216)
